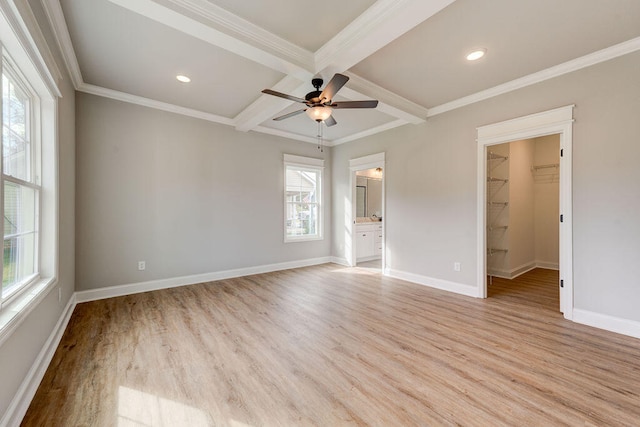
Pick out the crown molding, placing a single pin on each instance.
(23, 22)
(369, 132)
(250, 32)
(585, 61)
(53, 10)
(152, 103)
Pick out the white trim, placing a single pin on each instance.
(556, 121)
(289, 135)
(366, 162)
(53, 10)
(390, 102)
(608, 323)
(340, 261)
(379, 25)
(363, 163)
(292, 160)
(152, 103)
(255, 51)
(524, 268)
(249, 31)
(368, 132)
(23, 28)
(585, 61)
(12, 315)
(22, 399)
(153, 285)
(445, 285)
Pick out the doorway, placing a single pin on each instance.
(522, 220)
(365, 234)
(558, 121)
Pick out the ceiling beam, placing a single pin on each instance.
(223, 29)
(267, 106)
(378, 26)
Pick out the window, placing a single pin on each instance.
(303, 198)
(19, 184)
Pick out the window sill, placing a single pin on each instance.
(12, 315)
(302, 239)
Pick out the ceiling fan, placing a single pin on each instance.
(320, 104)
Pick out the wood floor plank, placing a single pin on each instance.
(328, 345)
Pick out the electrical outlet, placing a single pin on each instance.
(456, 266)
(141, 265)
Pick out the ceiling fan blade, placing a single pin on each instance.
(355, 104)
(284, 95)
(286, 116)
(330, 121)
(334, 85)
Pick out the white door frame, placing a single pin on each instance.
(363, 163)
(556, 121)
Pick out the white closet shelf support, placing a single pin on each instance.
(493, 179)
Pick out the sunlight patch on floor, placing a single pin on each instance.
(137, 409)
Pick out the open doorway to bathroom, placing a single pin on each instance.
(368, 227)
(365, 223)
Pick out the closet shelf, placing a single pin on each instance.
(550, 165)
(497, 227)
(492, 251)
(493, 179)
(493, 156)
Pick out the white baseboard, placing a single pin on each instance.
(340, 261)
(524, 268)
(21, 401)
(152, 285)
(609, 323)
(444, 285)
(548, 265)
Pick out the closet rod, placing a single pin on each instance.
(491, 251)
(498, 203)
(492, 179)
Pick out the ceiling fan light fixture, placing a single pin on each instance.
(182, 78)
(476, 54)
(319, 113)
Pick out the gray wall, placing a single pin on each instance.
(19, 352)
(431, 184)
(185, 195)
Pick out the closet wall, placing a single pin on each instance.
(523, 233)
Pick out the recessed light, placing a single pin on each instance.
(183, 79)
(476, 54)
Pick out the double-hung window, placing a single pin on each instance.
(303, 198)
(20, 183)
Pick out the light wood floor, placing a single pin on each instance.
(333, 346)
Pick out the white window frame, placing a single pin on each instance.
(18, 79)
(31, 61)
(311, 165)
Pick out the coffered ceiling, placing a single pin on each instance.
(409, 54)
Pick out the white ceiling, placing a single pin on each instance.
(409, 54)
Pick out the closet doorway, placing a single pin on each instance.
(522, 214)
(492, 245)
